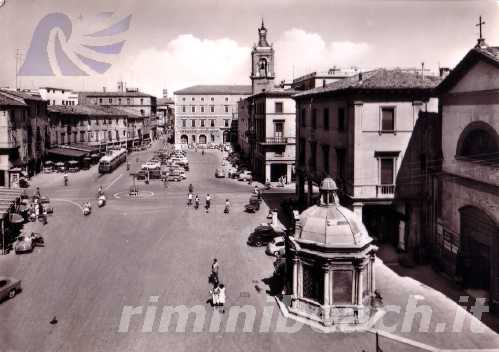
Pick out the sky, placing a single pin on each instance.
(173, 44)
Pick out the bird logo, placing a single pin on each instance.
(72, 57)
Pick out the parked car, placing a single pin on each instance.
(27, 243)
(276, 247)
(9, 287)
(219, 173)
(245, 176)
(262, 235)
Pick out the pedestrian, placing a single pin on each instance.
(196, 202)
(37, 194)
(165, 181)
(189, 200)
(227, 206)
(221, 297)
(215, 268)
(208, 202)
(215, 296)
(191, 188)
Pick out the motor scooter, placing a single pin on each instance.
(87, 210)
(102, 201)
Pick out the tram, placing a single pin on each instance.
(111, 161)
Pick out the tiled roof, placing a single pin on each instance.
(24, 95)
(488, 54)
(216, 89)
(276, 92)
(7, 100)
(92, 110)
(165, 101)
(379, 79)
(113, 94)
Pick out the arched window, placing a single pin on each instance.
(479, 142)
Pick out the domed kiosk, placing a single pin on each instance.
(331, 259)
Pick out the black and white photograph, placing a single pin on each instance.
(258, 176)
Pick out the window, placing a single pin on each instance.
(278, 129)
(325, 119)
(202, 108)
(341, 119)
(313, 283)
(109, 135)
(100, 100)
(342, 288)
(212, 99)
(202, 98)
(278, 107)
(183, 98)
(89, 136)
(141, 101)
(81, 122)
(325, 158)
(193, 98)
(193, 109)
(183, 108)
(202, 123)
(212, 108)
(184, 123)
(313, 155)
(303, 118)
(387, 119)
(386, 171)
(226, 108)
(212, 138)
(128, 101)
(119, 101)
(212, 123)
(314, 118)
(226, 99)
(193, 123)
(104, 121)
(110, 100)
(479, 141)
(82, 136)
(226, 123)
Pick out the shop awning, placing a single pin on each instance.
(8, 197)
(67, 153)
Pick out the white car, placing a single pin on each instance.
(151, 165)
(276, 247)
(245, 176)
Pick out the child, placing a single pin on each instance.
(221, 297)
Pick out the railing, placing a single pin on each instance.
(385, 190)
(371, 191)
(276, 140)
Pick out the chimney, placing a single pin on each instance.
(444, 72)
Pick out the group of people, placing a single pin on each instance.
(37, 210)
(190, 197)
(218, 290)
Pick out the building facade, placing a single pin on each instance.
(58, 96)
(357, 130)
(166, 116)
(99, 126)
(131, 102)
(204, 114)
(466, 244)
(23, 119)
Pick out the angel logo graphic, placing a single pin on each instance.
(72, 59)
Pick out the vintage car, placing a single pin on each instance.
(9, 287)
(26, 243)
(219, 173)
(262, 235)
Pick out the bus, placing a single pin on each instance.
(111, 161)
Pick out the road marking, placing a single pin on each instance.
(112, 183)
(67, 201)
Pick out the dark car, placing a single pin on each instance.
(9, 287)
(262, 235)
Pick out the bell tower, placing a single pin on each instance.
(262, 63)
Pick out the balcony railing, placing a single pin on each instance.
(385, 191)
(278, 140)
(371, 191)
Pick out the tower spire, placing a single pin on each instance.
(480, 40)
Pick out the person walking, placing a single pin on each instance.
(215, 296)
(208, 202)
(189, 200)
(227, 206)
(190, 188)
(221, 297)
(196, 202)
(215, 268)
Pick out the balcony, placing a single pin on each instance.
(372, 191)
(277, 141)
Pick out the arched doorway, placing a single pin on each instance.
(226, 137)
(193, 138)
(184, 139)
(478, 258)
(202, 139)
